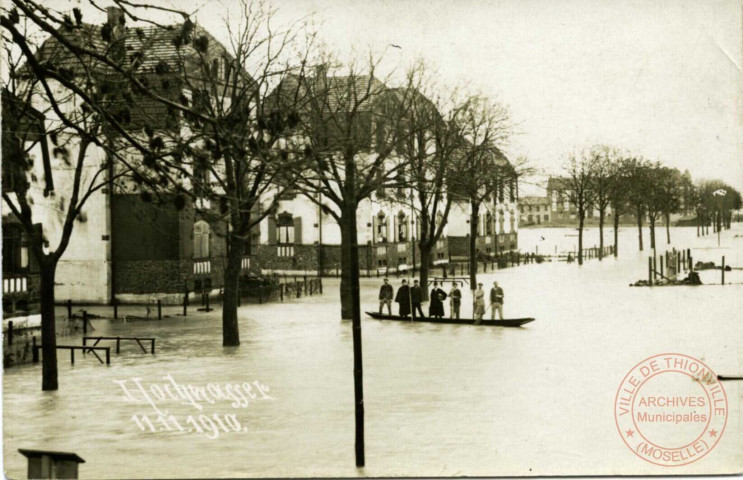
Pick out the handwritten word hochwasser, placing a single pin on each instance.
(238, 394)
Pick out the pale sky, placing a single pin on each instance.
(659, 78)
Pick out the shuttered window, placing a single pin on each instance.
(201, 240)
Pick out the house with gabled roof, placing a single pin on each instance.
(129, 247)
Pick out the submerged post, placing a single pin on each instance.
(116, 309)
(85, 322)
(650, 271)
(723, 269)
(69, 309)
(34, 350)
(159, 309)
(661, 265)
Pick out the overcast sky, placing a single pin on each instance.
(659, 78)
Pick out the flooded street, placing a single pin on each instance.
(440, 400)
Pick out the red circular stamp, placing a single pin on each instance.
(671, 410)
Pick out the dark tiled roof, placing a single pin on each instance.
(158, 54)
(341, 92)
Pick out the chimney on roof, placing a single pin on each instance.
(116, 20)
(321, 70)
(117, 25)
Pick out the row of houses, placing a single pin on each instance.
(556, 209)
(126, 249)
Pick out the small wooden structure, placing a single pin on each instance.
(51, 464)
(139, 341)
(85, 349)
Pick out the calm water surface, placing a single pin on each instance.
(440, 400)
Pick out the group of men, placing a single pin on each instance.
(410, 299)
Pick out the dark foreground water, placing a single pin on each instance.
(440, 400)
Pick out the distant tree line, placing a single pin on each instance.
(608, 180)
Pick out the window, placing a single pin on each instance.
(285, 235)
(488, 224)
(501, 221)
(381, 233)
(201, 233)
(15, 249)
(402, 227)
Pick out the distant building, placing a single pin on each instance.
(534, 211)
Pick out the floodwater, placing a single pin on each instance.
(440, 400)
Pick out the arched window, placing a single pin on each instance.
(402, 227)
(201, 233)
(501, 221)
(381, 233)
(488, 224)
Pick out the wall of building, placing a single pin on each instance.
(83, 273)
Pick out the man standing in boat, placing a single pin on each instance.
(436, 306)
(496, 301)
(416, 297)
(403, 299)
(479, 307)
(456, 300)
(386, 293)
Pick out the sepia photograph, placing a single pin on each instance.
(350, 239)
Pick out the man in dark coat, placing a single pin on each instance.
(416, 297)
(436, 306)
(403, 299)
(386, 293)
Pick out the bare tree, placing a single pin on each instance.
(432, 137)
(618, 194)
(70, 135)
(481, 169)
(602, 159)
(578, 186)
(636, 169)
(348, 133)
(196, 118)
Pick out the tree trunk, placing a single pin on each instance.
(668, 228)
(353, 288)
(639, 226)
(474, 213)
(425, 267)
(719, 220)
(581, 220)
(652, 232)
(48, 326)
(616, 234)
(601, 235)
(346, 281)
(230, 328)
(699, 221)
